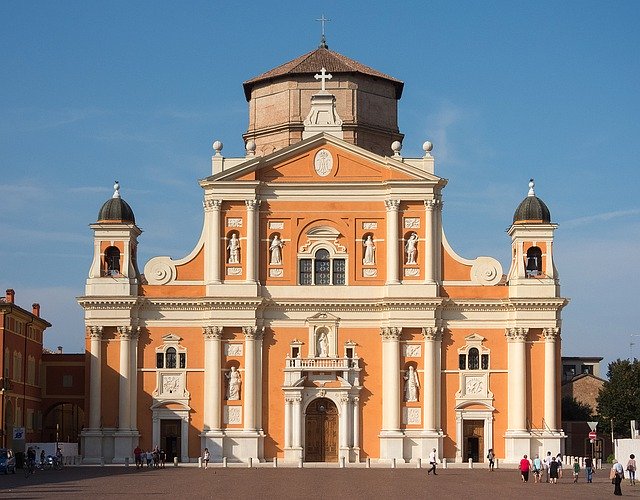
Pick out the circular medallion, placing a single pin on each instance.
(323, 163)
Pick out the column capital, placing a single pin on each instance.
(516, 334)
(392, 205)
(390, 333)
(252, 332)
(211, 205)
(551, 334)
(344, 399)
(95, 332)
(432, 204)
(432, 333)
(252, 204)
(212, 332)
(356, 400)
(127, 332)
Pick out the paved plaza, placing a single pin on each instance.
(309, 482)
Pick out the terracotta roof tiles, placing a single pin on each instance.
(313, 61)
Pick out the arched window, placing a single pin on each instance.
(170, 357)
(322, 269)
(534, 261)
(474, 359)
(473, 356)
(112, 261)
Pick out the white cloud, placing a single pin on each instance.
(602, 217)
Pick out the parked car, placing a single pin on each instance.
(7, 461)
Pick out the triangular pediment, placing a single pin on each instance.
(474, 338)
(323, 159)
(323, 317)
(171, 338)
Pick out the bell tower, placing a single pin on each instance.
(114, 269)
(533, 272)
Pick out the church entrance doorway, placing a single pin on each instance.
(321, 431)
(170, 437)
(473, 431)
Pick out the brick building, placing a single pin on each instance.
(21, 337)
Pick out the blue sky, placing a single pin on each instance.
(138, 91)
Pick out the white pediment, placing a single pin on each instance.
(171, 338)
(282, 155)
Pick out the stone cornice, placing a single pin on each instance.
(373, 305)
(533, 304)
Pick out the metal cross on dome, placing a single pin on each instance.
(324, 76)
(323, 40)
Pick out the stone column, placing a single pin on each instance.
(251, 334)
(393, 262)
(287, 421)
(95, 412)
(391, 377)
(212, 384)
(213, 260)
(124, 400)
(429, 244)
(517, 378)
(252, 240)
(438, 203)
(356, 423)
(431, 334)
(259, 344)
(297, 422)
(344, 432)
(550, 379)
(135, 335)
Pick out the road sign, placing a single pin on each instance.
(592, 435)
(593, 425)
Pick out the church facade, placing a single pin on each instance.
(322, 315)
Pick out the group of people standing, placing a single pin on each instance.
(153, 458)
(551, 468)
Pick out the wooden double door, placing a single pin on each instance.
(473, 431)
(321, 431)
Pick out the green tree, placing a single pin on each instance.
(575, 411)
(619, 397)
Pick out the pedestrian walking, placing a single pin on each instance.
(537, 469)
(616, 475)
(525, 465)
(553, 471)
(547, 463)
(559, 460)
(631, 469)
(588, 467)
(576, 470)
(492, 459)
(433, 460)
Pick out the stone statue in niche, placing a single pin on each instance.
(411, 385)
(322, 345)
(369, 251)
(233, 384)
(410, 248)
(234, 249)
(276, 251)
